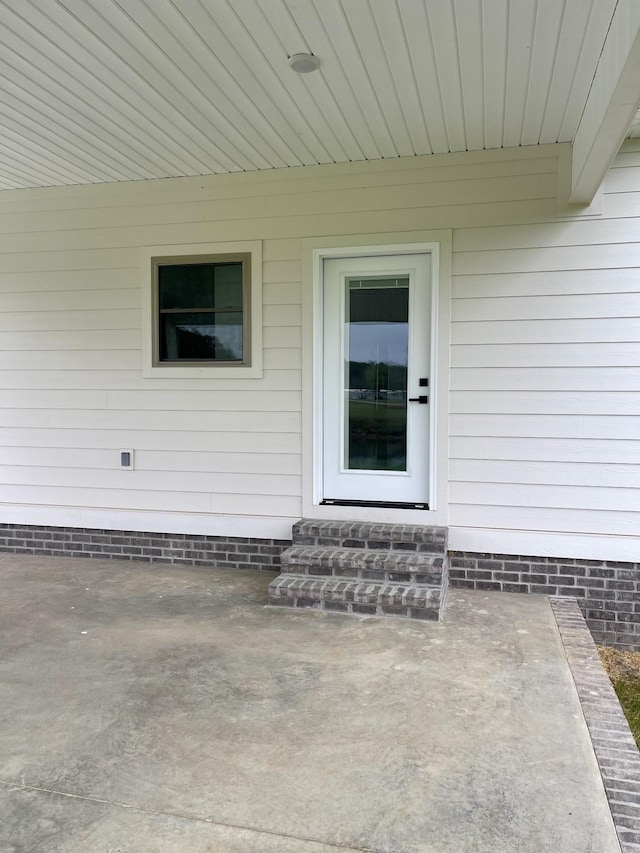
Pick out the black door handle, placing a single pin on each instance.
(421, 399)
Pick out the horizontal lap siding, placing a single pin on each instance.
(545, 375)
(71, 386)
(72, 394)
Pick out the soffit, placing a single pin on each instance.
(114, 90)
(634, 130)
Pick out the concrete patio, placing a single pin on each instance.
(162, 708)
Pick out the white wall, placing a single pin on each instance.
(545, 381)
(545, 364)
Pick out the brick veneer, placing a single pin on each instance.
(607, 592)
(231, 552)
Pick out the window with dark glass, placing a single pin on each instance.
(202, 310)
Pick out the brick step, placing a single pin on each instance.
(364, 567)
(367, 535)
(364, 564)
(356, 596)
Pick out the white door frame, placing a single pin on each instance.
(438, 245)
(412, 484)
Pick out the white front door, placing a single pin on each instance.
(376, 378)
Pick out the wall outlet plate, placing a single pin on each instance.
(126, 460)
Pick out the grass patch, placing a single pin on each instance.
(623, 668)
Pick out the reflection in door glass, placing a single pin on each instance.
(375, 381)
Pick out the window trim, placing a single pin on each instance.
(251, 365)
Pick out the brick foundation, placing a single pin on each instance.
(607, 592)
(183, 549)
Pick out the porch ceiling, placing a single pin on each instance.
(114, 90)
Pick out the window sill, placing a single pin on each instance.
(202, 372)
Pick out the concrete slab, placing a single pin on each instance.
(177, 710)
(41, 822)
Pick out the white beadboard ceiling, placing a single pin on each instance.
(116, 90)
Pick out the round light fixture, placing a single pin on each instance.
(303, 63)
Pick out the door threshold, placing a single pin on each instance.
(377, 504)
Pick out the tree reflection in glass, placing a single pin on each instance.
(376, 359)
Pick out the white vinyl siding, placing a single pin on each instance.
(545, 383)
(545, 356)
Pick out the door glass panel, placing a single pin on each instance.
(375, 373)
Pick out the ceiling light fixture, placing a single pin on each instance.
(303, 63)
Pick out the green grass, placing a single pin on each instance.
(628, 691)
(365, 411)
(623, 668)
